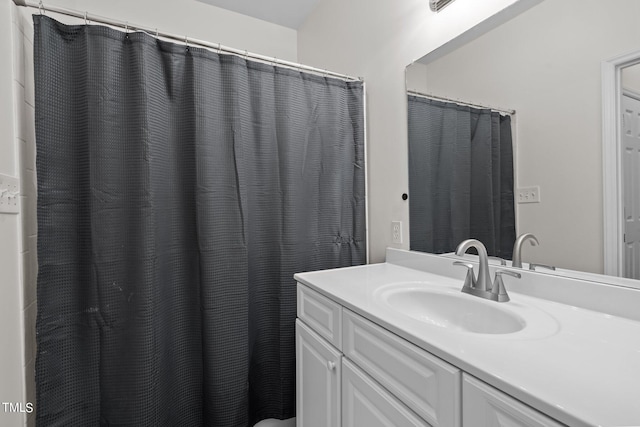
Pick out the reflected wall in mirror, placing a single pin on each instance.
(546, 65)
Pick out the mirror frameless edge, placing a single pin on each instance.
(418, 77)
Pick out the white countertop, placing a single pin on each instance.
(583, 371)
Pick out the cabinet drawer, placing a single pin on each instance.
(366, 404)
(321, 314)
(484, 406)
(427, 385)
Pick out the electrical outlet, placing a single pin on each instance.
(529, 195)
(9, 194)
(396, 232)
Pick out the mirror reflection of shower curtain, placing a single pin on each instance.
(179, 190)
(460, 177)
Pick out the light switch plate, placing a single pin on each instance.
(9, 194)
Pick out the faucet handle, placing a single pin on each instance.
(534, 266)
(498, 291)
(497, 258)
(469, 280)
(508, 273)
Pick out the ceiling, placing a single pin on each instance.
(288, 13)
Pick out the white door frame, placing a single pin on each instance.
(612, 161)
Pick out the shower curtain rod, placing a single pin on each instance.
(459, 102)
(186, 40)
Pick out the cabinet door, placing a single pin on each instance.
(485, 406)
(367, 404)
(318, 369)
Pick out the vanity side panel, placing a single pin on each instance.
(427, 385)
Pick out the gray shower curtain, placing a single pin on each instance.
(460, 177)
(179, 190)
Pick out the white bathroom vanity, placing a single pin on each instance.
(398, 344)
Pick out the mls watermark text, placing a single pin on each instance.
(17, 407)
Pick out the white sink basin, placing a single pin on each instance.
(453, 310)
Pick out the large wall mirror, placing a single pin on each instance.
(543, 69)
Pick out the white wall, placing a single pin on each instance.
(18, 262)
(24, 130)
(377, 39)
(12, 377)
(196, 20)
(559, 137)
(416, 76)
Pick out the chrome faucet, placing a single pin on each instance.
(481, 286)
(516, 258)
(483, 282)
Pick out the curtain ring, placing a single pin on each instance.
(41, 8)
(186, 42)
(85, 18)
(219, 49)
(156, 33)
